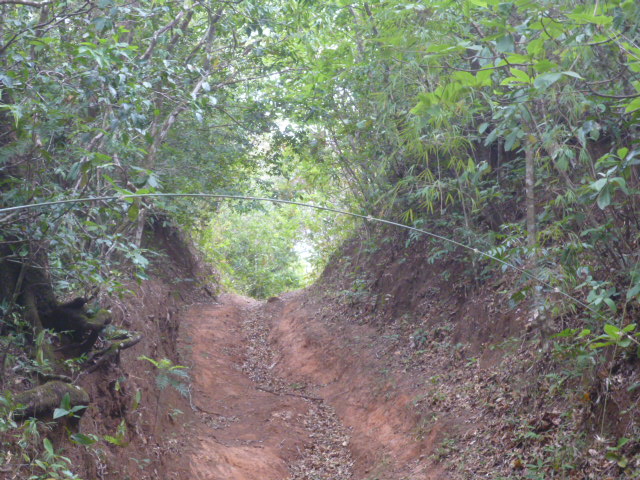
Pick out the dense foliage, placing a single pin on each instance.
(114, 97)
(509, 126)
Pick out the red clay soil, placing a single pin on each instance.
(377, 408)
(267, 377)
(243, 432)
(399, 374)
(296, 389)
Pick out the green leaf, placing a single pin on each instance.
(66, 402)
(587, 18)
(611, 304)
(584, 333)
(136, 400)
(544, 66)
(619, 182)
(82, 439)
(633, 105)
(625, 342)
(100, 23)
(48, 446)
(134, 210)
(599, 184)
(483, 78)
(491, 137)
(517, 58)
(604, 198)
(511, 140)
(544, 81)
(612, 331)
(77, 408)
(520, 75)
(7, 80)
(535, 47)
(505, 44)
(115, 441)
(60, 412)
(562, 163)
(573, 74)
(567, 332)
(465, 78)
(155, 363)
(519, 296)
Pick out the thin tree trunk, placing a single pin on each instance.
(543, 320)
(530, 182)
(159, 132)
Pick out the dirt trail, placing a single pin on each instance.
(273, 402)
(250, 425)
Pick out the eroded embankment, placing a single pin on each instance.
(341, 361)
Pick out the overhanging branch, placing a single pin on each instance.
(28, 3)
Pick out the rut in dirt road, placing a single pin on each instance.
(251, 424)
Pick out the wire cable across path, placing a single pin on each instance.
(481, 253)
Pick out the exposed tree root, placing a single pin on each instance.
(110, 354)
(43, 399)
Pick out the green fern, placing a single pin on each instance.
(170, 375)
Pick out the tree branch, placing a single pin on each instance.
(182, 30)
(28, 3)
(256, 77)
(157, 34)
(616, 97)
(208, 37)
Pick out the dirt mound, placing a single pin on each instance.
(388, 278)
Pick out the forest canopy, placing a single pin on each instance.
(510, 125)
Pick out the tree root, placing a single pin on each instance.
(43, 399)
(110, 354)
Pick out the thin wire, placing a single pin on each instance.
(307, 205)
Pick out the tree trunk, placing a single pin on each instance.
(530, 182)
